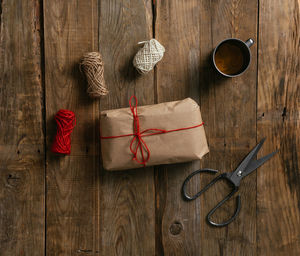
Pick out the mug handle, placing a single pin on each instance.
(249, 42)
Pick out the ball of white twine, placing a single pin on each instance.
(148, 56)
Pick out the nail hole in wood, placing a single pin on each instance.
(284, 112)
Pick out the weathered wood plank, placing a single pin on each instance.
(278, 185)
(22, 171)
(127, 198)
(177, 28)
(229, 110)
(71, 29)
(190, 31)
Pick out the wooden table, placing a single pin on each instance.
(51, 205)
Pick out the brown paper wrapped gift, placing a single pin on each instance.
(164, 133)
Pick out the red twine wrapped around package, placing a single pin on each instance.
(66, 121)
(138, 135)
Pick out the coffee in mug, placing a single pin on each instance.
(232, 57)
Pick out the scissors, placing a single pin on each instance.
(247, 166)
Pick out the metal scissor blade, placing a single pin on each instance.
(254, 164)
(243, 165)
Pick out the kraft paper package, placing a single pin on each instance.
(176, 128)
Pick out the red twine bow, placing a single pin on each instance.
(66, 121)
(138, 135)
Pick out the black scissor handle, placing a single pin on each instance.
(211, 212)
(184, 185)
(232, 218)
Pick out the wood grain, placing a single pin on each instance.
(229, 111)
(71, 29)
(278, 195)
(69, 205)
(127, 198)
(178, 223)
(22, 165)
(190, 32)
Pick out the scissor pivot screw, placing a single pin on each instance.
(239, 173)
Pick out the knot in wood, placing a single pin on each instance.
(176, 228)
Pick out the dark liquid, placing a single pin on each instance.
(229, 58)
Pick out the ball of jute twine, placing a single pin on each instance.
(148, 56)
(92, 66)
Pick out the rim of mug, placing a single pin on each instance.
(214, 52)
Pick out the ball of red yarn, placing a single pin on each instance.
(66, 121)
